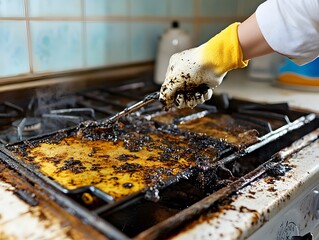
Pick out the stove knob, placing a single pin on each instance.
(316, 203)
(308, 236)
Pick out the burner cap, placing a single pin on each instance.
(31, 124)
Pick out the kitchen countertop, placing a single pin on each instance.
(238, 84)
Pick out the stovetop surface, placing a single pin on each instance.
(250, 132)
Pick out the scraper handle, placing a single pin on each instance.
(147, 100)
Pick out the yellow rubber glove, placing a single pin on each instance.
(193, 74)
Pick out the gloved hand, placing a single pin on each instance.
(193, 74)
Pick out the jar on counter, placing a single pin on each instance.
(172, 41)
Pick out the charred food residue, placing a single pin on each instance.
(119, 158)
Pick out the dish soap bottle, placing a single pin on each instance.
(172, 41)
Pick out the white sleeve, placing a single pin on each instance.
(291, 28)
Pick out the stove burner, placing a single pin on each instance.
(27, 126)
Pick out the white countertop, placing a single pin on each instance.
(238, 84)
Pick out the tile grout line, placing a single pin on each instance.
(127, 18)
(29, 39)
(83, 35)
(129, 11)
(196, 22)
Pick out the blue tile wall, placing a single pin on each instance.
(98, 8)
(97, 38)
(56, 8)
(107, 43)
(118, 45)
(208, 30)
(13, 48)
(181, 8)
(217, 8)
(56, 46)
(11, 8)
(144, 40)
(149, 8)
(75, 34)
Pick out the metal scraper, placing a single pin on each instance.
(147, 100)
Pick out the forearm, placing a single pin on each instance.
(251, 40)
(289, 27)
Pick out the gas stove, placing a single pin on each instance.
(49, 111)
(170, 172)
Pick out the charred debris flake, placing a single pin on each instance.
(72, 165)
